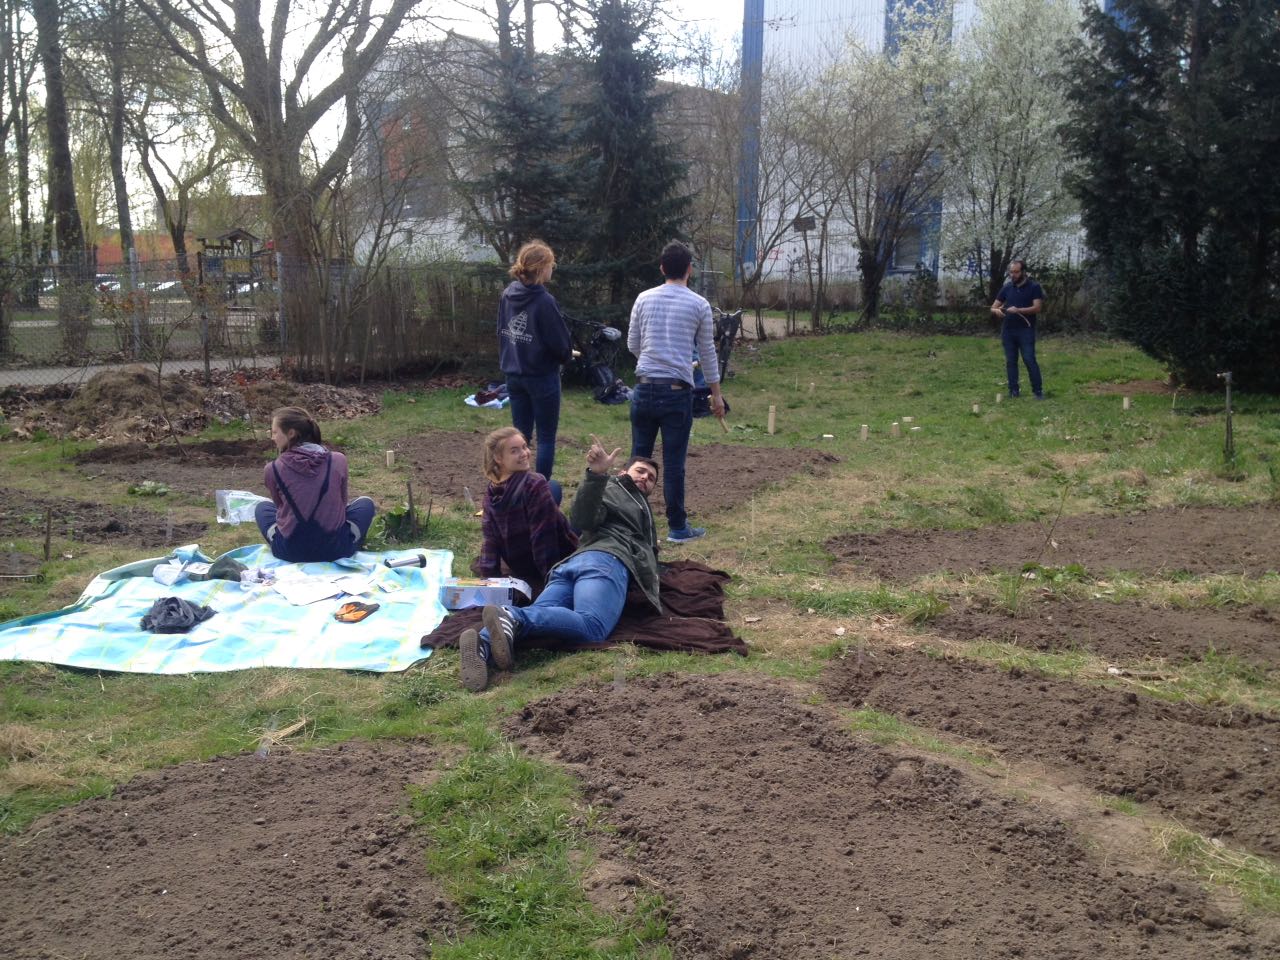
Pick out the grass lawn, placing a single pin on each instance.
(973, 462)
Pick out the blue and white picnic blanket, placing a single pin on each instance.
(254, 626)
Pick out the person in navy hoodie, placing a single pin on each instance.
(309, 518)
(533, 343)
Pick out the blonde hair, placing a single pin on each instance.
(492, 443)
(532, 261)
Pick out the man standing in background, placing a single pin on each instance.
(1017, 304)
(667, 323)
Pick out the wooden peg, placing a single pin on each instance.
(391, 459)
(866, 430)
(773, 418)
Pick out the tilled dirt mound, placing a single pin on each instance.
(718, 476)
(1194, 540)
(288, 855)
(22, 517)
(197, 468)
(774, 834)
(1215, 770)
(1123, 632)
(125, 403)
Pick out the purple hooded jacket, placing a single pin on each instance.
(302, 470)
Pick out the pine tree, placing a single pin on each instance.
(525, 186)
(1175, 124)
(630, 169)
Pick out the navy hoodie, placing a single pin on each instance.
(533, 338)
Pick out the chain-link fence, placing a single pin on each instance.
(340, 322)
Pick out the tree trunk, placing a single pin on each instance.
(75, 297)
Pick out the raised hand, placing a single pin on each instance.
(597, 460)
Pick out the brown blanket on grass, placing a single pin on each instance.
(692, 618)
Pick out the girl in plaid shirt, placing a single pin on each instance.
(523, 527)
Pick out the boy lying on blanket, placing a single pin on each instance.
(585, 594)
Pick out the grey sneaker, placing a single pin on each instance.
(685, 535)
(474, 670)
(502, 635)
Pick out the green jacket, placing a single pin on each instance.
(615, 518)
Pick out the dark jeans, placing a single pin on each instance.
(307, 547)
(1018, 338)
(658, 407)
(535, 406)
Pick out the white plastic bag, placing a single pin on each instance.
(236, 506)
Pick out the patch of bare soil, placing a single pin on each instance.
(774, 834)
(718, 476)
(198, 468)
(22, 517)
(1196, 540)
(286, 855)
(1123, 632)
(1215, 770)
(127, 405)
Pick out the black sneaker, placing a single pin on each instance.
(474, 670)
(502, 635)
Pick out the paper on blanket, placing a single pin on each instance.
(255, 626)
(301, 591)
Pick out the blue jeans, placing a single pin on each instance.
(657, 407)
(306, 546)
(582, 601)
(1018, 338)
(535, 406)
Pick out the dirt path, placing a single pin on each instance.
(197, 468)
(22, 517)
(1194, 540)
(289, 855)
(774, 834)
(1218, 771)
(1123, 632)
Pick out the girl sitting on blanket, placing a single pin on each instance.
(309, 517)
(522, 525)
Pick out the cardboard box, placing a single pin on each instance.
(458, 593)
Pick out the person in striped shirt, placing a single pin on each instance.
(667, 323)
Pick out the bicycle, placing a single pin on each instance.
(728, 326)
(595, 352)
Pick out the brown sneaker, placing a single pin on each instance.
(502, 635)
(473, 670)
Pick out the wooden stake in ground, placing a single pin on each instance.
(865, 431)
(773, 419)
(895, 430)
(1124, 405)
(48, 531)
(999, 398)
(391, 459)
(976, 408)
(413, 517)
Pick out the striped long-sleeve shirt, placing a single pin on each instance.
(667, 323)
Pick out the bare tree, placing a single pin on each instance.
(790, 179)
(1007, 171)
(73, 302)
(271, 114)
(19, 65)
(881, 120)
